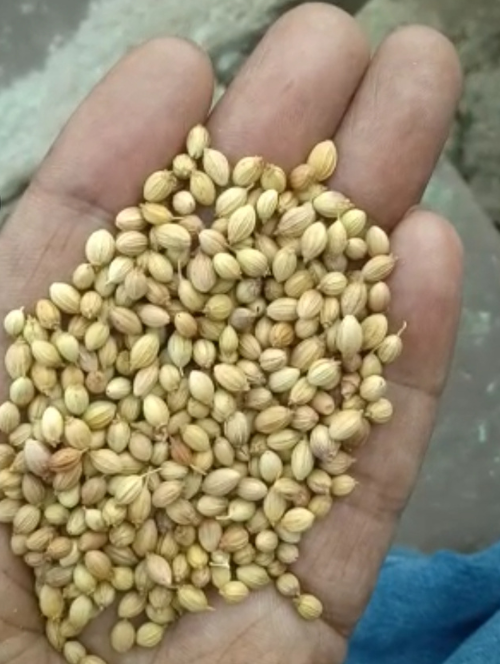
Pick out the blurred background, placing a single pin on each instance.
(53, 51)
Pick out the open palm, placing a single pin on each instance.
(310, 78)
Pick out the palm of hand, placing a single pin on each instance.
(390, 127)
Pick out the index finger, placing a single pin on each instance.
(133, 122)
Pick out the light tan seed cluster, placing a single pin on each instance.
(186, 408)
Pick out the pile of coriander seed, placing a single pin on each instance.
(189, 405)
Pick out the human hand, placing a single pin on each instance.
(310, 78)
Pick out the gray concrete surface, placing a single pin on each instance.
(456, 502)
(53, 51)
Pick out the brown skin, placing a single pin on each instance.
(310, 78)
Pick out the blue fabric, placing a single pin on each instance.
(440, 609)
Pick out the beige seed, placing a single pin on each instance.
(241, 224)
(10, 417)
(253, 576)
(234, 592)
(379, 411)
(273, 177)
(253, 263)
(149, 635)
(202, 188)
(45, 354)
(122, 636)
(156, 411)
(379, 297)
(99, 415)
(129, 219)
(172, 237)
(106, 462)
(314, 241)
(302, 461)
(342, 485)
(158, 186)
(349, 336)
(267, 204)
(65, 297)
(100, 249)
(127, 489)
(309, 305)
(74, 652)
(192, 599)
(390, 349)
(52, 426)
(197, 141)
(159, 570)
(323, 160)
(377, 241)
(373, 388)
(230, 200)
(22, 392)
(378, 268)
(183, 165)
(324, 373)
(18, 359)
(308, 607)
(273, 419)
(247, 171)
(221, 482)
(14, 322)
(144, 351)
(344, 424)
(83, 277)
(216, 166)
(231, 378)
(331, 204)
(288, 585)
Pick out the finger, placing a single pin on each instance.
(295, 87)
(398, 122)
(343, 554)
(131, 124)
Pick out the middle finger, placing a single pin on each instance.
(295, 87)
